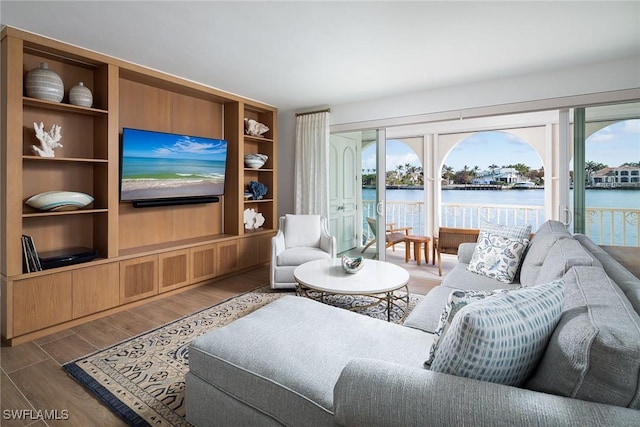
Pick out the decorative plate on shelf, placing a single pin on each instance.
(59, 201)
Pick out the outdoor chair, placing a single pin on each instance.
(392, 235)
(448, 240)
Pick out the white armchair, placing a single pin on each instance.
(300, 239)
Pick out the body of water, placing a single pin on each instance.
(594, 198)
(599, 226)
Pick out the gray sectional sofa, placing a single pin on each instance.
(298, 362)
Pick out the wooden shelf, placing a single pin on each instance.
(257, 138)
(59, 106)
(64, 159)
(171, 247)
(62, 213)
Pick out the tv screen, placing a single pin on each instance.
(165, 166)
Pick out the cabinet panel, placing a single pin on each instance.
(41, 301)
(228, 257)
(95, 289)
(203, 263)
(174, 270)
(138, 278)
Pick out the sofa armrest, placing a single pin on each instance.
(377, 393)
(465, 252)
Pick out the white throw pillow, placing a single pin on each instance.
(497, 256)
(456, 300)
(513, 231)
(501, 338)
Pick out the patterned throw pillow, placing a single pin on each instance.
(497, 256)
(456, 300)
(501, 338)
(513, 231)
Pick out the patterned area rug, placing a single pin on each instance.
(142, 379)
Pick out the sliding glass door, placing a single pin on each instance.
(606, 176)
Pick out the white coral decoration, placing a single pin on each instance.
(48, 140)
(255, 128)
(252, 219)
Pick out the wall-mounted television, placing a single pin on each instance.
(159, 168)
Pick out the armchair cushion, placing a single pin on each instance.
(302, 231)
(299, 255)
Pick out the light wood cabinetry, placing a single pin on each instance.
(142, 253)
(203, 263)
(41, 301)
(95, 289)
(138, 278)
(173, 270)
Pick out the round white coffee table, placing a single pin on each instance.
(376, 279)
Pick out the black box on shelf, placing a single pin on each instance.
(66, 257)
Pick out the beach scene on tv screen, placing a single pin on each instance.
(162, 165)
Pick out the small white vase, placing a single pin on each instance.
(42, 83)
(81, 95)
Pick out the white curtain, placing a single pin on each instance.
(312, 164)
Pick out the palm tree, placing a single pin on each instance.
(492, 168)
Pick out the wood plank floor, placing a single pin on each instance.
(32, 378)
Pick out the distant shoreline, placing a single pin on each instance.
(481, 187)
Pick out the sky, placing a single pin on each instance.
(166, 145)
(613, 145)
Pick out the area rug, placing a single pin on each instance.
(142, 379)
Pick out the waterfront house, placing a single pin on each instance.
(616, 177)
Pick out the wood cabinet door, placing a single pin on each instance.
(228, 257)
(174, 270)
(95, 289)
(40, 302)
(138, 278)
(203, 263)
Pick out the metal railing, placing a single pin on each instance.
(605, 226)
(471, 215)
(611, 226)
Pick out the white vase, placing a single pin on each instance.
(42, 83)
(81, 95)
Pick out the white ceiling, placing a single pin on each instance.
(296, 55)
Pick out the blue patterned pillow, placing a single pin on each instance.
(497, 256)
(501, 338)
(456, 300)
(513, 231)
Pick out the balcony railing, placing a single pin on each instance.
(615, 227)
(605, 226)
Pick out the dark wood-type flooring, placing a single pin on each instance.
(32, 377)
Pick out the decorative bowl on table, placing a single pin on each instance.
(255, 160)
(352, 265)
(59, 201)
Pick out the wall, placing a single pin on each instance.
(550, 88)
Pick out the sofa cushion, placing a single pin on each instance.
(426, 314)
(456, 300)
(543, 239)
(302, 231)
(497, 256)
(501, 338)
(513, 231)
(285, 358)
(562, 256)
(626, 281)
(594, 353)
(300, 255)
